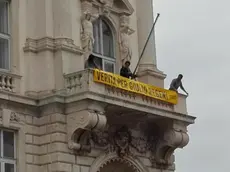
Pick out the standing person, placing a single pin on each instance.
(176, 83)
(126, 72)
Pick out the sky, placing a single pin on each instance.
(193, 38)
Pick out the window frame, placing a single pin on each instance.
(100, 55)
(6, 160)
(7, 36)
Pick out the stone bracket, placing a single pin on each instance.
(165, 147)
(80, 125)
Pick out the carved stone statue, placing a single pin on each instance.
(87, 34)
(106, 5)
(125, 32)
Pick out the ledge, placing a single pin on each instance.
(80, 85)
(83, 88)
(51, 44)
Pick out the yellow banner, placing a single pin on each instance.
(135, 86)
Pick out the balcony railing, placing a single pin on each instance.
(83, 83)
(9, 82)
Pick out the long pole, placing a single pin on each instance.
(146, 43)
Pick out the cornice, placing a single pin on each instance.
(66, 99)
(51, 44)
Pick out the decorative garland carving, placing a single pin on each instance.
(114, 141)
(160, 143)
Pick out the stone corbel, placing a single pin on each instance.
(165, 147)
(79, 127)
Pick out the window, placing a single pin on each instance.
(4, 35)
(7, 150)
(103, 46)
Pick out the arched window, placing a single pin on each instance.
(103, 46)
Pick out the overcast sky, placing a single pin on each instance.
(193, 38)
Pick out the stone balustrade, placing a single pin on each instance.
(9, 82)
(82, 83)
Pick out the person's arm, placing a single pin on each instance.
(181, 86)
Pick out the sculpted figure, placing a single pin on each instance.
(125, 32)
(87, 33)
(106, 5)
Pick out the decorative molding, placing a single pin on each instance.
(160, 143)
(120, 92)
(121, 161)
(14, 117)
(107, 158)
(123, 8)
(79, 127)
(114, 141)
(51, 44)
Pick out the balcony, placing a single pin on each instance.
(124, 101)
(9, 82)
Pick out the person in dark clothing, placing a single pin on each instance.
(126, 72)
(176, 83)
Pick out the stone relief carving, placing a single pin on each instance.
(125, 32)
(161, 144)
(106, 6)
(14, 117)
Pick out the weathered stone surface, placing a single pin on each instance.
(29, 138)
(76, 168)
(59, 166)
(83, 160)
(84, 169)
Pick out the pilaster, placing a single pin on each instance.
(147, 71)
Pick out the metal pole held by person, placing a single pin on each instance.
(146, 43)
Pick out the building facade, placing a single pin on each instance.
(55, 117)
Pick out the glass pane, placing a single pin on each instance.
(9, 167)
(4, 53)
(108, 66)
(107, 40)
(8, 144)
(3, 17)
(96, 35)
